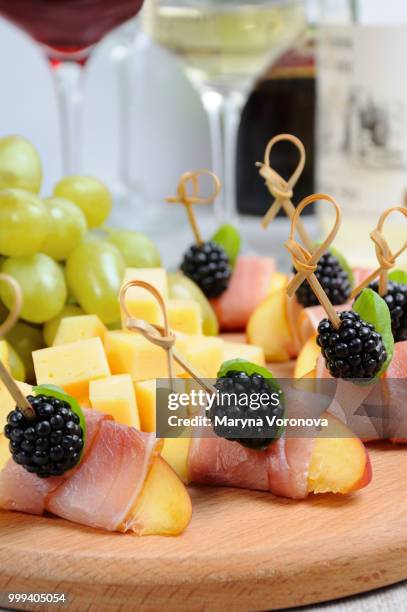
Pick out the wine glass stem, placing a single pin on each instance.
(68, 84)
(224, 111)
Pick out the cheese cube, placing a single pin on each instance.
(205, 353)
(72, 366)
(185, 316)
(82, 327)
(130, 353)
(239, 350)
(140, 303)
(146, 397)
(115, 396)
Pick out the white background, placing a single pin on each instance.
(168, 127)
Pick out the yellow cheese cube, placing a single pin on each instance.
(238, 350)
(146, 396)
(130, 353)
(205, 353)
(140, 303)
(72, 366)
(7, 404)
(115, 396)
(185, 316)
(82, 327)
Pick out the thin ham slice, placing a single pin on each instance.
(24, 492)
(304, 321)
(282, 469)
(248, 286)
(106, 485)
(360, 274)
(216, 461)
(309, 319)
(347, 404)
(289, 461)
(397, 372)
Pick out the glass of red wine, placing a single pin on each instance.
(68, 30)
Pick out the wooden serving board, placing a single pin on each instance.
(244, 550)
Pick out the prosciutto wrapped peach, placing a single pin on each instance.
(121, 484)
(335, 462)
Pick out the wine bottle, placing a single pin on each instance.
(282, 101)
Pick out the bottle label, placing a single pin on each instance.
(362, 118)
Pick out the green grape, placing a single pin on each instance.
(16, 364)
(114, 326)
(51, 327)
(181, 287)
(20, 165)
(25, 339)
(137, 248)
(3, 312)
(92, 196)
(94, 272)
(43, 285)
(23, 223)
(67, 227)
(230, 240)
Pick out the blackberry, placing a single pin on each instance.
(355, 350)
(209, 267)
(396, 300)
(334, 281)
(51, 442)
(238, 397)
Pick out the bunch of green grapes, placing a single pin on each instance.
(49, 245)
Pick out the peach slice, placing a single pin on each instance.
(269, 328)
(339, 463)
(307, 359)
(278, 281)
(175, 452)
(164, 506)
(4, 451)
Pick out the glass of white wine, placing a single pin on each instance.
(225, 45)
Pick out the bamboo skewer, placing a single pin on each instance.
(188, 200)
(306, 262)
(386, 258)
(21, 401)
(279, 188)
(160, 335)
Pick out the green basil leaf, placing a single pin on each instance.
(249, 368)
(398, 276)
(54, 391)
(230, 240)
(373, 309)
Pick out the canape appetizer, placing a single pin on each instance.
(332, 460)
(235, 284)
(83, 466)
